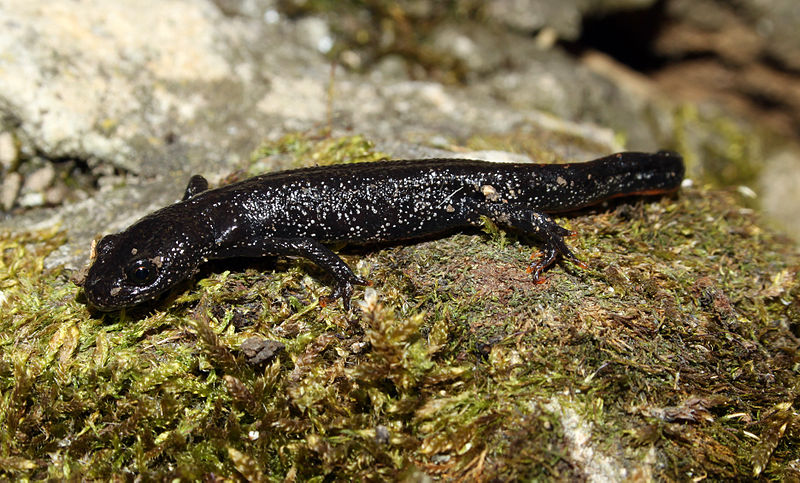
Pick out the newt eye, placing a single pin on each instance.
(141, 272)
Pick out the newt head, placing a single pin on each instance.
(142, 262)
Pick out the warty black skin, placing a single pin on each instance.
(295, 212)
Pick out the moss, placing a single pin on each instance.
(718, 149)
(304, 150)
(673, 356)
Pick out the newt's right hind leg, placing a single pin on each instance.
(540, 226)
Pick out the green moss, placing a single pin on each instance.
(717, 149)
(673, 355)
(303, 150)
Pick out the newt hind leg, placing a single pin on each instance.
(539, 226)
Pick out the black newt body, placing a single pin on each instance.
(295, 212)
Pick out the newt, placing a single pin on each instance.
(298, 212)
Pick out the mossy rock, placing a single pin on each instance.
(673, 356)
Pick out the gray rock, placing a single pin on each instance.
(532, 15)
(314, 33)
(247, 8)
(565, 17)
(56, 194)
(105, 92)
(259, 351)
(746, 31)
(9, 151)
(12, 182)
(778, 185)
(780, 26)
(40, 179)
(31, 199)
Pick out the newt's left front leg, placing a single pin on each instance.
(318, 253)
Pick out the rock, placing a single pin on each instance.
(31, 199)
(778, 185)
(56, 194)
(382, 434)
(532, 15)
(12, 182)
(259, 351)
(40, 179)
(103, 90)
(564, 17)
(315, 33)
(784, 39)
(9, 151)
(482, 49)
(745, 54)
